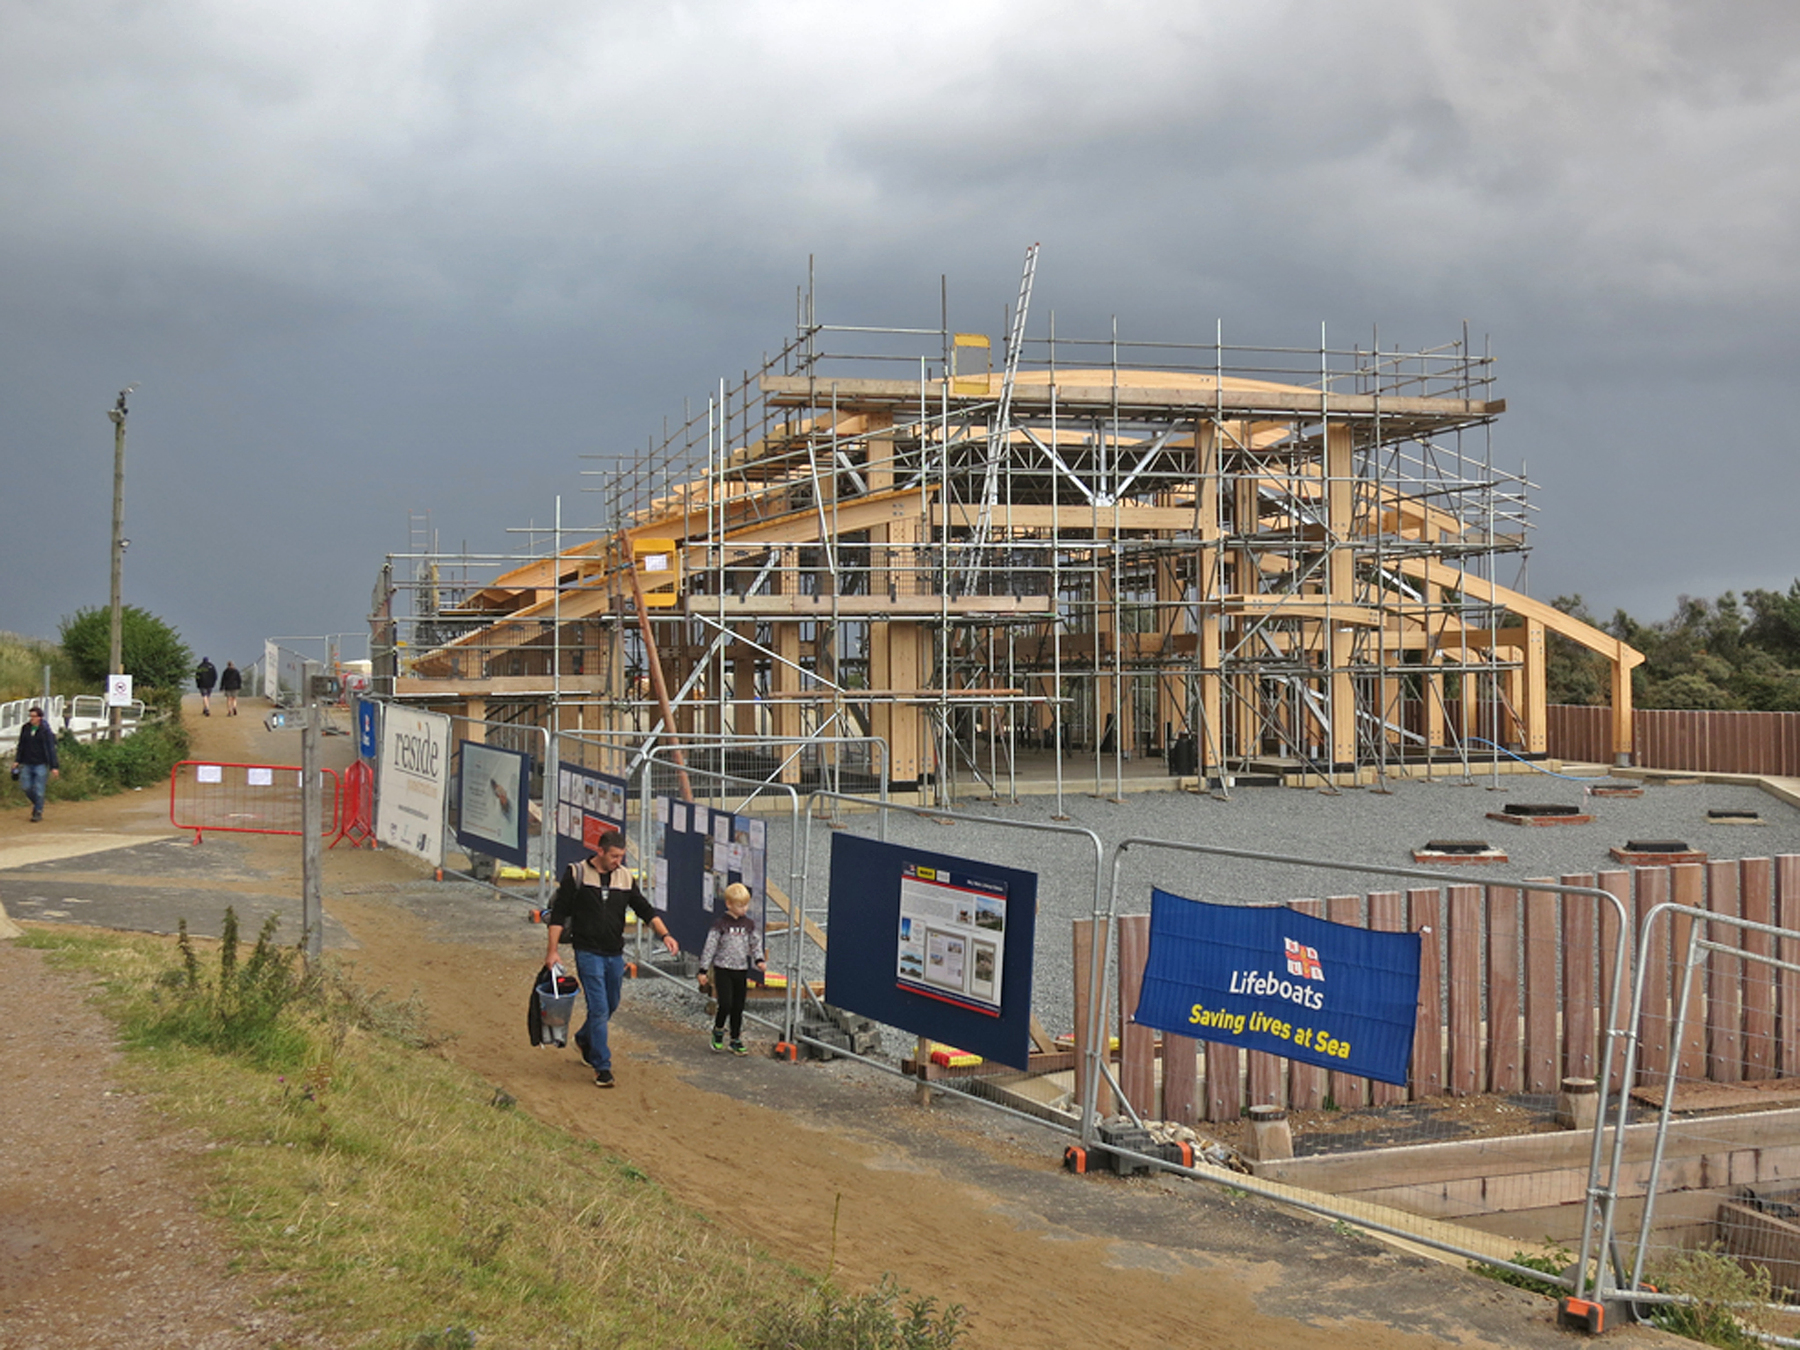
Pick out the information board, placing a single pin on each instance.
(937, 945)
(698, 852)
(494, 791)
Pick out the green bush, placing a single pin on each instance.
(1728, 1301)
(243, 1010)
(882, 1319)
(151, 651)
(1553, 1260)
(142, 759)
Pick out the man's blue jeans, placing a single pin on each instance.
(602, 983)
(32, 779)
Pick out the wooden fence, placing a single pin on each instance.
(1513, 989)
(1668, 738)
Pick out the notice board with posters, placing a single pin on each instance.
(588, 804)
(698, 852)
(492, 814)
(1283, 982)
(937, 945)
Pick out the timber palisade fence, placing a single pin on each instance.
(1671, 738)
(1513, 994)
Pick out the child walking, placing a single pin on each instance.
(733, 945)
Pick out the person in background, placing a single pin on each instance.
(231, 679)
(733, 945)
(205, 677)
(590, 906)
(35, 760)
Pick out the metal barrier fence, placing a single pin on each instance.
(883, 809)
(245, 798)
(1716, 1054)
(1422, 1190)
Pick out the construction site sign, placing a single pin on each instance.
(1283, 982)
(492, 804)
(414, 775)
(936, 945)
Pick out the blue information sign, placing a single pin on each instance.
(936, 945)
(1283, 982)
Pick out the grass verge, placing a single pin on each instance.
(391, 1200)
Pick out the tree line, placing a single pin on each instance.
(1728, 653)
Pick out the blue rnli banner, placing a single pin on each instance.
(1282, 982)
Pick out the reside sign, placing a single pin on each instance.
(413, 777)
(1282, 982)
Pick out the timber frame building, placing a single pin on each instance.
(1297, 561)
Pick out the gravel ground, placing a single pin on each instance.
(1371, 829)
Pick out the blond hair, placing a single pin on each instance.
(737, 891)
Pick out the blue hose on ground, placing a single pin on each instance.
(1548, 773)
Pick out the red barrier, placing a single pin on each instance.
(245, 798)
(357, 807)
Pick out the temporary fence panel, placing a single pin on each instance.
(809, 904)
(1711, 1156)
(706, 788)
(1514, 996)
(246, 798)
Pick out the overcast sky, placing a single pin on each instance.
(418, 256)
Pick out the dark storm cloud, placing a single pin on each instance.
(367, 260)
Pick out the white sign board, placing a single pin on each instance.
(271, 671)
(118, 691)
(412, 778)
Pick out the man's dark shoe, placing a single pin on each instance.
(37, 816)
(603, 1078)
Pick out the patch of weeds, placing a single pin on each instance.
(1728, 1300)
(883, 1318)
(1553, 1259)
(242, 1010)
(450, 1338)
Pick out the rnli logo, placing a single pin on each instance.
(1303, 960)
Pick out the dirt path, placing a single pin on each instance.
(956, 1202)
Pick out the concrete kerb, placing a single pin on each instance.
(1099, 1030)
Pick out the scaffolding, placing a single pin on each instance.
(1214, 560)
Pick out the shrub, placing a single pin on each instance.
(881, 1319)
(1728, 1300)
(243, 1010)
(1553, 1260)
(152, 652)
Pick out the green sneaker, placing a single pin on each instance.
(739, 1048)
(718, 1038)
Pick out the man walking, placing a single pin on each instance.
(590, 906)
(36, 759)
(231, 681)
(206, 675)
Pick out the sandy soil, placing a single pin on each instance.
(957, 1202)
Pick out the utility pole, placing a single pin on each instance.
(312, 819)
(115, 662)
